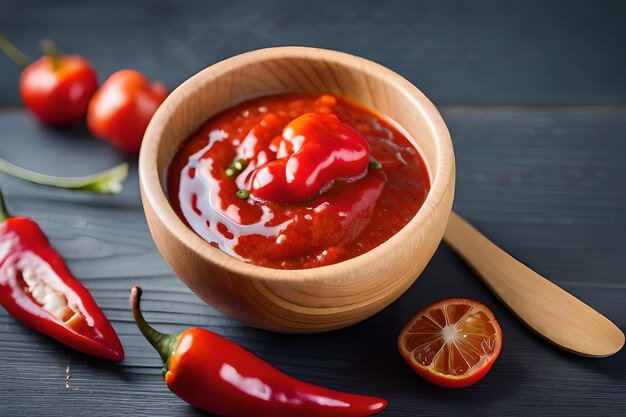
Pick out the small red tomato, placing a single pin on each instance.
(122, 108)
(57, 89)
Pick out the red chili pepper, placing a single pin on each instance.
(314, 150)
(38, 290)
(122, 108)
(56, 88)
(221, 377)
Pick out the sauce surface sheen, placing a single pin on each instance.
(346, 219)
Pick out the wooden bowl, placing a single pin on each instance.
(307, 300)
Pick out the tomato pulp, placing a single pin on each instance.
(350, 207)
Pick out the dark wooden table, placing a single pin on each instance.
(534, 94)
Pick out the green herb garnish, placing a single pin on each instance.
(374, 164)
(236, 167)
(243, 194)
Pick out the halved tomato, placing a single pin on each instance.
(452, 343)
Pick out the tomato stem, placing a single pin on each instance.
(14, 53)
(49, 48)
(4, 212)
(105, 182)
(164, 344)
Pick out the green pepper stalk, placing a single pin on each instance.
(4, 212)
(105, 182)
(164, 344)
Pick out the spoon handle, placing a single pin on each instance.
(550, 311)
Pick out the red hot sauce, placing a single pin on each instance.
(297, 180)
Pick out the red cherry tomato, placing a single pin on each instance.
(58, 89)
(122, 108)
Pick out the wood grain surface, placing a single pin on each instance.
(544, 182)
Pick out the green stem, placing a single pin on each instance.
(164, 344)
(49, 48)
(4, 212)
(106, 182)
(13, 53)
(374, 164)
(243, 194)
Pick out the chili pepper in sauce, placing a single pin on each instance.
(122, 108)
(314, 150)
(38, 290)
(56, 88)
(219, 376)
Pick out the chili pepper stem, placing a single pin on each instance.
(49, 48)
(14, 53)
(105, 182)
(164, 344)
(4, 212)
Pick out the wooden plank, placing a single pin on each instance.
(547, 185)
(565, 51)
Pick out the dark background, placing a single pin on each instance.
(534, 94)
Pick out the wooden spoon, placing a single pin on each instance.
(552, 312)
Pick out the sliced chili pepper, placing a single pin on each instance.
(38, 290)
(219, 376)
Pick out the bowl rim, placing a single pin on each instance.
(154, 193)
